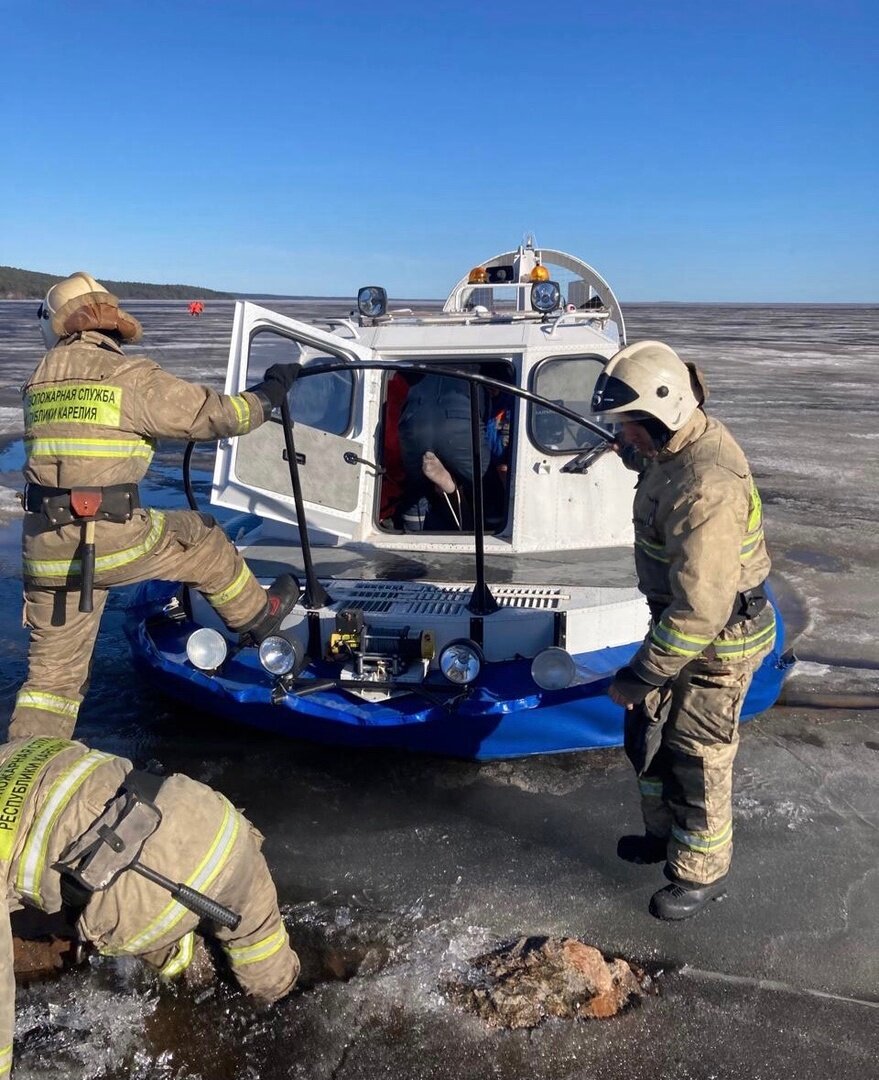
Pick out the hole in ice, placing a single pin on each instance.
(337, 944)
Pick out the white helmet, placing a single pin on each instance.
(646, 378)
(77, 285)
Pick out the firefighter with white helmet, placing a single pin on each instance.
(78, 830)
(702, 564)
(92, 417)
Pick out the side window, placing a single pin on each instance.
(319, 401)
(568, 381)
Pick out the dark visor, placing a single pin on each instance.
(612, 393)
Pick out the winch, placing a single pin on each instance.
(378, 653)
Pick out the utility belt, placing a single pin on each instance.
(63, 506)
(85, 506)
(113, 844)
(748, 605)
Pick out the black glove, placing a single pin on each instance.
(276, 383)
(644, 721)
(629, 687)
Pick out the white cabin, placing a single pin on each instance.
(340, 426)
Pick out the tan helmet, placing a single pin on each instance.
(81, 303)
(646, 378)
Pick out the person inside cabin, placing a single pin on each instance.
(92, 415)
(499, 431)
(74, 821)
(702, 563)
(393, 480)
(435, 443)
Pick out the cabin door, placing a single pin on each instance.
(334, 419)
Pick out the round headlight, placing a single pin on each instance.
(545, 295)
(206, 649)
(372, 301)
(280, 655)
(461, 661)
(553, 669)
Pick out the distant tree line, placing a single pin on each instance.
(18, 284)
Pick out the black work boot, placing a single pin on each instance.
(682, 899)
(642, 849)
(281, 597)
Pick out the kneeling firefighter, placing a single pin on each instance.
(92, 415)
(702, 564)
(138, 861)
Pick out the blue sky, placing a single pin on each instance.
(687, 150)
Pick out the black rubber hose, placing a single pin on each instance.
(813, 700)
(187, 476)
(816, 699)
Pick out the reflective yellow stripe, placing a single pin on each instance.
(33, 858)
(683, 644)
(18, 774)
(750, 545)
(703, 842)
(182, 957)
(231, 591)
(53, 703)
(239, 404)
(751, 540)
(241, 955)
(747, 646)
(203, 875)
(755, 516)
(669, 639)
(754, 533)
(73, 403)
(99, 448)
(53, 568)
(5, 1060)
(671, 648)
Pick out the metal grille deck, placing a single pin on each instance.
(421, 598)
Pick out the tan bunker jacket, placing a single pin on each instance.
(92, 416)
(51, 792)
(698, 547)
(701, 561)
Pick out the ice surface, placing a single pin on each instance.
(396, 868)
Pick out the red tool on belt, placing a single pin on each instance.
(85, 503)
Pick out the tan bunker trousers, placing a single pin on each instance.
(180, 545)
(691, 726)
(206, 843)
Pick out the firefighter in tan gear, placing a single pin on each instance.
(66, 815)
(702, 564)
(92, 416)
